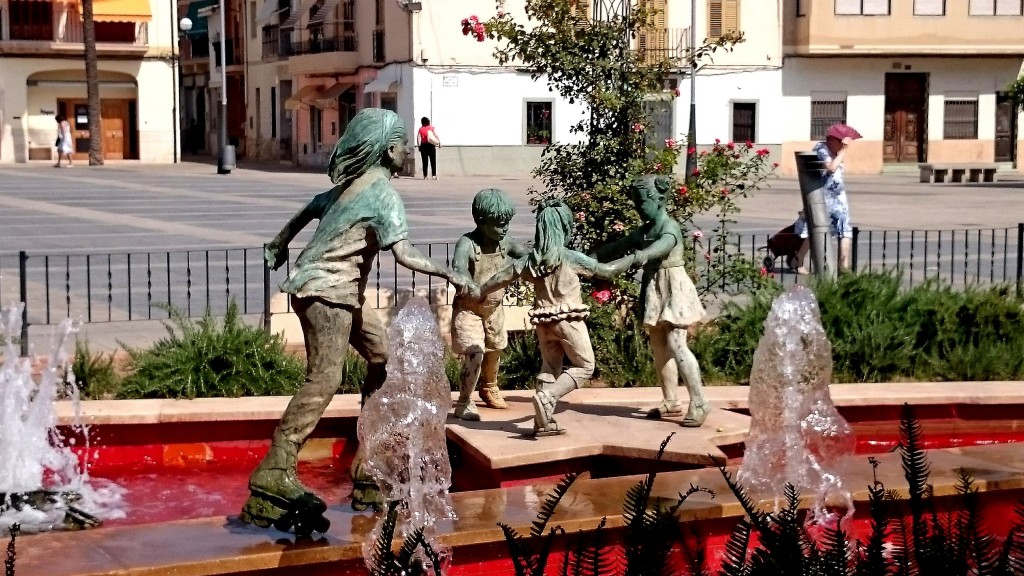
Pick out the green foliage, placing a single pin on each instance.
(652, 532)
(208, 358)
(881, 331)
(594, 61)
(622, 348)
(1016, 91)
(520, 361)
(386, 562)
(95, 375)
(942, 539)
(12, 555)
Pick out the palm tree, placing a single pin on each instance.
(92, 85)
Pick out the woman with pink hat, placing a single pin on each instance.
(832, 153)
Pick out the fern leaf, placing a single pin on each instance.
(12, 555)
(1011, 559)
(547, 508)
(408, 550)
(734, 563)
(544, 553)
(874, 561)
(382, 552)
(758, 519)
(522, 559)
(979, 544)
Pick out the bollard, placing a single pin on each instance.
(812, 193)
(23, 293)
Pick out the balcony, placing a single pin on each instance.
(899, 31)
(661, 44)
(273, 48)
(46, 28)
(317, 54)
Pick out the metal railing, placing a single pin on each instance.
(130, 286)
(322, 44)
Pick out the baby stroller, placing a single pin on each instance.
(783, 244)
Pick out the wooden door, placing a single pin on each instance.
(77, 113)
(1006, 128)
(114, 114)
(906, 97)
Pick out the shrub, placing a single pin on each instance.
(520, 362)
(205, 358)
(880, 331)
(95, 375)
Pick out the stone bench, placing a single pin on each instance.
(955, 173)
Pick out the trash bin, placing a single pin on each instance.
(812, 193)
(226, 162)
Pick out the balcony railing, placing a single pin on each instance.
(658, 44)
(318, 45)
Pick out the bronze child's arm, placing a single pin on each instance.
(276, 251)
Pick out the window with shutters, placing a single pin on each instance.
(723, 18)
(995, 7)
(580, 12)
(825, 113)
(744, 122)
(929, 7)
(862, 7)
(960, 119)
(652, 41)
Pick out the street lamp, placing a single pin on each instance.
(691, 133)
(226, 156)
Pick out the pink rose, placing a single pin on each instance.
(602, 296)
(618, 226)
(697, 234)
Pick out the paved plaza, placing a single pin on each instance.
(128, 207)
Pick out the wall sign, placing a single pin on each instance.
(450, 81)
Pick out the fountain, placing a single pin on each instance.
(796, 433)
(43, 486)
(402, 429)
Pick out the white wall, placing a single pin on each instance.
(862, 80)
(716, 91)
(484, 108)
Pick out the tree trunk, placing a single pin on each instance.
(92, 85)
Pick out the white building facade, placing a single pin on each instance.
(43, 75)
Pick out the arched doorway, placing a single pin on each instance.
(64, 92)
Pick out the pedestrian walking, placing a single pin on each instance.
(832, 154)
(63, 143)
(428, 142)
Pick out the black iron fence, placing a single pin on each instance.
(129, 286)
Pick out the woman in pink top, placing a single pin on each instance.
(428, 143)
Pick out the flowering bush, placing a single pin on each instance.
(595, 62)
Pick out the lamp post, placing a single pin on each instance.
(226, 155)
(691, 133)
(226, 158)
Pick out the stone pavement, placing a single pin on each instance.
(127, 206)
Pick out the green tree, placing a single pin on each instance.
(587, 52)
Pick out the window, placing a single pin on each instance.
(862, 7)
(744, 122)
(259, 115)
(961, 119)
(30, 20)
(316, 119)
(252, 19)
(723, 18)
(825, 113)
(538, 122)
(929, 7)
(273, 112)
(995, 8)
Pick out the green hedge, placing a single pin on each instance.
(882, 332)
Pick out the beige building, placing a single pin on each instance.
(922, 80)
(43, 75)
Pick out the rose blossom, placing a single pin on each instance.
(697, 234)
(602, 296)
(618, 226)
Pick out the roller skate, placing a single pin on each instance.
(278, 499)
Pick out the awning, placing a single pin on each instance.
(321, 14)
(298, 99)
(267, 10)
(387, 80)
(118, 10)
(199, 23)
(303, 8)
(329, 98)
